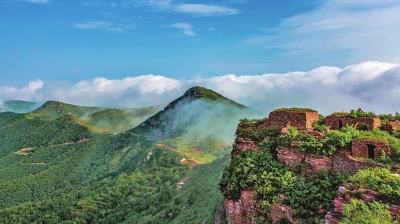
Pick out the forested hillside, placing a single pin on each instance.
(56, 167)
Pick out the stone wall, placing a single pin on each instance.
(334, 122)
(301, 120)
(391, 126)
(242, 211)
(342, 161)
(360, 148)
(292, 157)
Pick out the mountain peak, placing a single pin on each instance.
(199, 92)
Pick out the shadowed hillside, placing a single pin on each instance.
(199, 108)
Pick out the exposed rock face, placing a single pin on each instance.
(337, 122)
(360, 148)
(243, 144)
(242, 211)
(318, 162)
(279, 212)
(290, 156)
(392, 126)
(367, 195)
(300, 120)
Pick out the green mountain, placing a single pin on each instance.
(7, 115)
(53, 109)
(56, 167)
(121, 119)
(198, 108)
(18, 106)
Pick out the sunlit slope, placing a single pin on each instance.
(208, 111)
(40, 159)
(53, 109)
(121, 119)
(24, 132)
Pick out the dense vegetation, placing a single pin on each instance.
(55, 167)
(260, 171)
(357, 212)
(309, 195)
(7, 115)
(380, 180)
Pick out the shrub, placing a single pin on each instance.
(380, 180)
(357, 212)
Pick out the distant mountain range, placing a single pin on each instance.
(18, 106)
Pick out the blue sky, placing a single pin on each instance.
(71, 40)
(263, 53)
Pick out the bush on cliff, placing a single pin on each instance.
(311, 196)
(380, 180)
(357, 212)
(311, 144)
(256, 169)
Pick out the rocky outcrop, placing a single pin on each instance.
(310, 163)
(279, 212)
(345, 196)
(244, 144)
(242, 211)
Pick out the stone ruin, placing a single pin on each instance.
(392, 126)
(370, 149)
(337, 122)
(302, 119)
(246, 208)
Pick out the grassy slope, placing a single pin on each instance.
(53, 109)
(119, 120)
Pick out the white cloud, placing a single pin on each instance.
(30, 92)
(372, 86)
(186, 28)
(338, 32)
(104, 25)
(194, 9)
(205, 10)
(38, 1)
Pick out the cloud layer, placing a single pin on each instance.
(337, 32)
(372, 86)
